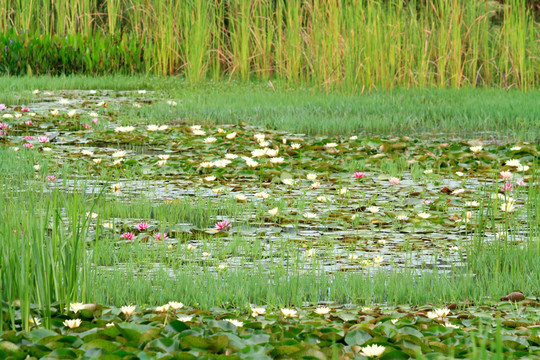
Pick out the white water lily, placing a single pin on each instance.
(124, 129)
(321, 198)
(256, 311)
(373, 209)
(119, 154)
(241, 197)
(258, 153)
(310, 215)
(458, 191)
(276, 160)
(259, 137)
(459, 173)
(152, 128)
(87, 152)
(235, 322)
(128, 310)
(273, 211)
(164, 157)
(252, 163)
(295, 146)
(163, 308)
(288, 181)
(72, 113)
(37, 167)
(210, 140)
(507, 206)
(231, 135)
(92, 215)
(311, 177)
(76, 307)
(262, 195)
(330, 145)
(271, 152)
(116, 188)
(175, 305)
(209, 178)
(161, 162)
(55, 112)
(289, 313)
(184, 318)
(315, 185)
(522, 168)
(424, 215)
(513, 163)
(438, 313)
(476, 149)
(323, 310)
(402, 217)
(230, 156)
(378, 259)
(373, 350)
(199, 132)
(343, 191)
(73, 323)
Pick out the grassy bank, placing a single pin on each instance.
(486, 113)
(350, 45)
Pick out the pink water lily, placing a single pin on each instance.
(43, 139)
(28, 137)
(222, 225)
(51, 178)
(507, 187)
(160, 236)
(3, 107)
(142, 226)
(128, 236)
(359, 175)
(394, 181)
(28, 123)
(25, 109)
(28, 146)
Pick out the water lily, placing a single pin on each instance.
(310, 215)
(256, 311)
(231, 135)
(116, 188)
(507, 207)
(236, 323)
(315, 185)
(424, 215)
(513, 163)
(223, 225)
(142, 226)
(373, 350)
(359, 175)
(393, 181)
(184, 318)
(175, 305)
(163, 308)
(76, 307)
(72, 323)
(438, 313)
(289, 313)
(119, 154)
(323, 310)
(273, 211)
(210, 140)
(160, 236)
(373, 209)
(128, 310)
(311, 176)
(43, 139)
(128, 236)
(476, 149)
(262, 195)
(506, 175)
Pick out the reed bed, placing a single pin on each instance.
(353, 45)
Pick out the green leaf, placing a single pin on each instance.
(357, 337)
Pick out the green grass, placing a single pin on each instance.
(483, 113)
(354, 45)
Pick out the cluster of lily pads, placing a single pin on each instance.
(363, 202)
(175, 331)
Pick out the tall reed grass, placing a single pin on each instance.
(349, 44)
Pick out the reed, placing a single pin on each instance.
(332, 44)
